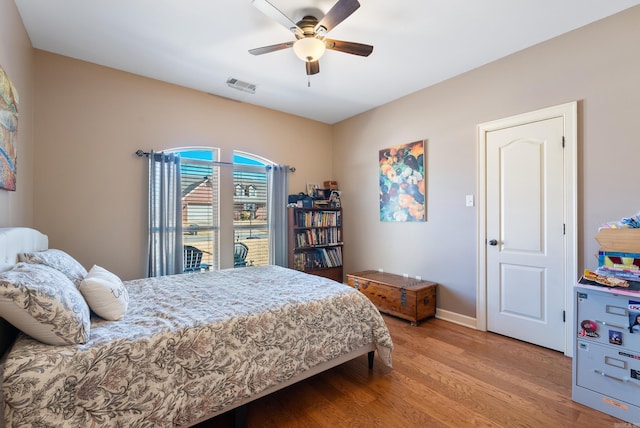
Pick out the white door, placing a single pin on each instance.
(525, 232)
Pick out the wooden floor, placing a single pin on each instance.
(443, 375)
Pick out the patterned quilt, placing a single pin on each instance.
(189, 346)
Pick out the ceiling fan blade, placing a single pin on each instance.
(348, 47)
(313, 67)
(338, 13)
(270, 48)
(273, 12)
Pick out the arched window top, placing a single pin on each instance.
(209, 154)
(243, 158)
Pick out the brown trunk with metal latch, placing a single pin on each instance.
(403, 297)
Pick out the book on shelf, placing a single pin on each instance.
(319, 258)
(317, 218)
(316, 237)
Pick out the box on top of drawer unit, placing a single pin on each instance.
(623, 240)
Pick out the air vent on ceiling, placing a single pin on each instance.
(241, 86)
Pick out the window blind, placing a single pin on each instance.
(250, 212)
(200, 204)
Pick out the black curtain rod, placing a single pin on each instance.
(141, 153)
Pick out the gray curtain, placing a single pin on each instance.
(278, 179)
(165, 215)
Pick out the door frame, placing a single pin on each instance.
(569, 113)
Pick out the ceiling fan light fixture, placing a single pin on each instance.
(309, 49)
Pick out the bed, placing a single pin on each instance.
(190, 346)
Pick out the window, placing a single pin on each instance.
(250, 226)
(201, 184)
(200, 203)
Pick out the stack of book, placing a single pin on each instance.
(619, 264)
(618, 258)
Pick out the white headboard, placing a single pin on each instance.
(14, 240)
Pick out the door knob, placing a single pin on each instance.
(493, 242)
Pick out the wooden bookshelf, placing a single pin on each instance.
(315, 241)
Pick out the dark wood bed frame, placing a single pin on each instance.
(8, 334)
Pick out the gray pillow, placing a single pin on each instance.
(59, 260)
(43, 303)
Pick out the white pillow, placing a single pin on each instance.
(59, 260)
(43, 303)
(105, 293)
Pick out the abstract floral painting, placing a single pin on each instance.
(8, 132)
(402, 183)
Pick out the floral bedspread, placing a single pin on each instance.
(189, 346)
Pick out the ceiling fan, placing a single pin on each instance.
(310, 33)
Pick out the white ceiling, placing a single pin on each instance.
(199, 44)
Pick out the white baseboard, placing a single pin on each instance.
(456, 318)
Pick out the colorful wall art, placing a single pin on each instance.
(8, 132)
(402, 183)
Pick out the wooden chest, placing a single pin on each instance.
(406, 298)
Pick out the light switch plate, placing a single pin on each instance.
(469, 200)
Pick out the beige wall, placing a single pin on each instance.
(597, 65)
(16, 57)
(91, 189)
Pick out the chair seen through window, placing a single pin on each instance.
(193, 259)
(240, 251)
